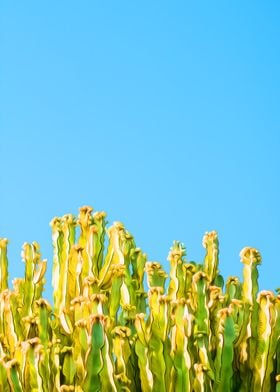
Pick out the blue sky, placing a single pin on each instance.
(163, 114)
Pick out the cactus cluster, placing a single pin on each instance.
(121, 323)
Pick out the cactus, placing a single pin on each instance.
(122, 323)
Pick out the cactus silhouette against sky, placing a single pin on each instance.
(121, 323)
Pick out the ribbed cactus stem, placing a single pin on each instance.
(225, 352)
(251, 258)
(262, 361)
(57, 239)
(13, 378)
(3, 264)
(94, 360)
(141, 349)
(176, 258)
(180, 352)
(211, 244)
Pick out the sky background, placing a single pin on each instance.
(165, 114)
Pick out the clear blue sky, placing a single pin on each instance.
(165, 114)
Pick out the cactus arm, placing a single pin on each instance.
(211, 244)
(4, 383)
(155, 346)
(39, 278)
(224, 367)
(13, 376)
(108, 370)
(43, 310)
(97, 241)
(55, 365)
(94, 361)
(114, 254)
(180, 353)
(233, 290)
(30, 256)
(114, 299)
(141, 350)
(67, 241)
(122, 352)
(201, 383)
(32, 379)
(56, 271)
(202, 311)
(268, 334)
(156, 275)
(68, 367)
(250, 258)
(175, 257)
(3, 264)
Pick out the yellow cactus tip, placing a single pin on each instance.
(236, 302)
(128, 236)
(123, 332)
(99, 215)
(93, 229)
(177, 251)
(140, 316)
(82, 323)
(12, 363)
(67, 349)
(189, 267)
(179, 302)
(265, 294)
(209, 237)
(200, 367)
(119, 226)
(34, 341)
(250, 256)
(123, 378)
(68, 219)
(97, 318)
(233, 280)
(118, 270)
(55, 223)
(90, 279)
(3, 242)
(66, 388)
(36, 245)
(86, 210)
(225, 312)
(199, 276)
(43, 303)
(129, 307)
(32, 320)
(85, 216)
(152, 266)
(16, 282)
(78, 300)
(156, 290)
(5, 294)
(164, 299)
(78, 248)
(100, 298)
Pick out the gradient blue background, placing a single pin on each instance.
(165, 114)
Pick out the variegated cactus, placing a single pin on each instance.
(121, 323)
